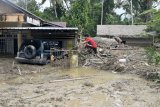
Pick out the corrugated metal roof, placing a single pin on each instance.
(39, 28)
(121, 30)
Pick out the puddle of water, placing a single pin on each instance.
(95, 76)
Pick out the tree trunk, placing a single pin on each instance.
(66, 4)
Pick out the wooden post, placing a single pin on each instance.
(52, 56)
(73, 59)
(73, 55)
(19, 37)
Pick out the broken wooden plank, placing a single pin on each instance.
(71, 79)
(32, 97)
(123, 48)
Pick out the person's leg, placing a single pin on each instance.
(88, 49)
(94, 50)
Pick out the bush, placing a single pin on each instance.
(153, 55)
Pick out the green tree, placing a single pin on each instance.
(32, 6)
(154, 22)
(49, 15)
(139, 6)
(86, 14)
(58, 6)
(108, 7)
(80, 15)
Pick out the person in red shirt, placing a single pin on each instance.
(90, 43)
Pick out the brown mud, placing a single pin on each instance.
(110, 84)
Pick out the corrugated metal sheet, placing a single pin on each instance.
(121, 30)
(39, 28)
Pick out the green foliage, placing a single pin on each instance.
(32, 6)
(139, 6)
(153, 55)
(80, 15)
(112, 19)
(108, 13)
(86, 14)
(49, 14)
(58, 7)
(154, 23)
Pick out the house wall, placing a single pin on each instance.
(33, 21)
(14, 17)
(10, 41)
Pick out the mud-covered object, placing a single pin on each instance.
(30, 51)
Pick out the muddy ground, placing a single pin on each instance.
(115, 84)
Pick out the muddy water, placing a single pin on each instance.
(92, 75)
(79, 87)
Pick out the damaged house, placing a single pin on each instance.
(18, 24)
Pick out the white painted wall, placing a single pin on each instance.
(33, 21)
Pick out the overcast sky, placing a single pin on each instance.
(46, 4)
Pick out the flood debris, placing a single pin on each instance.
(118, 57)
(96, 83)
(71, 79)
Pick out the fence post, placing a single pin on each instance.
(73, 58)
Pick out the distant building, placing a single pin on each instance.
(132, 34)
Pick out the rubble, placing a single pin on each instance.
(129, 59)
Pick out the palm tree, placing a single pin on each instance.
(54, 3)
(139, 6)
